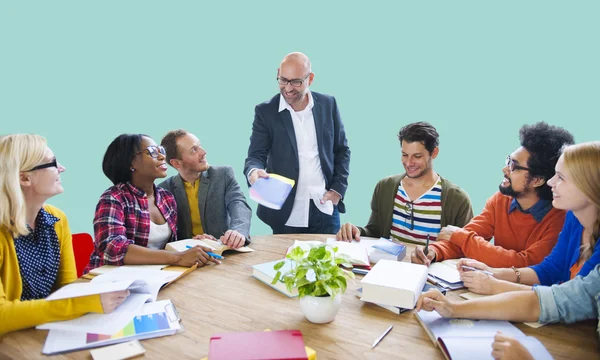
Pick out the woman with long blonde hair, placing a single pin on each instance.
(36, 253)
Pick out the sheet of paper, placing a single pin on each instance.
(444, 272)
(145, 281)
(326, 208)
(105, 324)
(85, 289)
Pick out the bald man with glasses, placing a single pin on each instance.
(299, 134)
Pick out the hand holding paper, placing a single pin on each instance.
(272, 191)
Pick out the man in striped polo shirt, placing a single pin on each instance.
(411, 206)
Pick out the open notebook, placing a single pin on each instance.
(143, 285)
(217, 246)
(466, 339)
(358, 255)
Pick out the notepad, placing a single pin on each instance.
(216, 246)
(272, 191)
(445, 271)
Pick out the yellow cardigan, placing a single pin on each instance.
(16, 314)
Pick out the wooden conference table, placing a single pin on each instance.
(226, 298)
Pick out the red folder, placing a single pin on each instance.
(284, 344)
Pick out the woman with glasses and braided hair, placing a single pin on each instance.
(134, 219)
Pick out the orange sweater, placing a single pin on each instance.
(519, 240)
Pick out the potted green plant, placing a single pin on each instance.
(320, 280)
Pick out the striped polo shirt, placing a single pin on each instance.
(412, 220)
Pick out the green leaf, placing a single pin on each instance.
(276, 278)
(322, 261)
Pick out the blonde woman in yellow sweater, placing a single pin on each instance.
(36, 253)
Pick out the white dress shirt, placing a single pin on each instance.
(311, 182)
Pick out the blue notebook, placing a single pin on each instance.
(391, 248)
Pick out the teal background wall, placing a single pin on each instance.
(81, 72)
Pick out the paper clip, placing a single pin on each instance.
(173, 315)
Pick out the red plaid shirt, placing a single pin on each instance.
(122, 218)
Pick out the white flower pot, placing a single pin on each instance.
(320, 310)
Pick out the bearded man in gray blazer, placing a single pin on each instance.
(210, 203)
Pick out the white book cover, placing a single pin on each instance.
(394, 283)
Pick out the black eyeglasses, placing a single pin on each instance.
(512, 166)
(153, 150)
(410, 211)
(53, 163)
(294, 82)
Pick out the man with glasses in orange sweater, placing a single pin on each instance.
(519, 217)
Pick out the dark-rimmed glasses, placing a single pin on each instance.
(153, 150)
(53, 163)
(294, 82)
(512, 166)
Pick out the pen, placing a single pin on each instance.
(473, 269)
(382, 336)
(426, 251)
(215, 255)
(212, 254)
(360, 271)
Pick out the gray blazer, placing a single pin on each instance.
(222, 204)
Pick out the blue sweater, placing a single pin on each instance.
(556, 267)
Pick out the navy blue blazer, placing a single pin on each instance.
(273, 147)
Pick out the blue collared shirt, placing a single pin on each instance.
(572, 301)
(538, 211)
